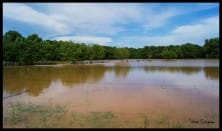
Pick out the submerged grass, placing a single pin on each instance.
(100, 119)
(146, 122)
(30, 115)
(39, 116)
(162, 120)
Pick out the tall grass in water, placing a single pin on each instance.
(32, 116)
(146, 122)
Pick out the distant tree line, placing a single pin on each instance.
(26, 51)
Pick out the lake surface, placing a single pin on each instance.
(137, 93)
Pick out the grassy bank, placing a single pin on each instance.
(37, 63)
(55, 62)
(89, 61)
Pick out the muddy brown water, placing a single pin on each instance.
(184, 91)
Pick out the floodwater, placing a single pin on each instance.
(137, 93)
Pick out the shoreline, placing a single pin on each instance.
(42, 63)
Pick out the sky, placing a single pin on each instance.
(115, 24)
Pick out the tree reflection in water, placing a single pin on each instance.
(37, 78)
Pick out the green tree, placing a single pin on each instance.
(121, 53)
(17, 48)
(134, 53)
(191, 51)
(97, 52)
(11, 36)
(211, 48)
(109, 52)
(168, 54)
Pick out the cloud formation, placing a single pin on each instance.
(110, 23)
(195, 33)
(24, 13)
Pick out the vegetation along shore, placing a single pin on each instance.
(19, 50)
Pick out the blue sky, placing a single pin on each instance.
(115, 24)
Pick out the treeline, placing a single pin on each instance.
(31, 49)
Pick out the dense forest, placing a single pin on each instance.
(27, 51)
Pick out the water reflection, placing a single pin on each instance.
(211, 73)
(121, 69)
(74, 75)
(35, 79)
(26, 78)
(185, 70)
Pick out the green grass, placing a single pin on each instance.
(212, 115)
(162, 120)
(146, 122)
(100, 119)
(39, 116)
(178, 125)
(30, 115)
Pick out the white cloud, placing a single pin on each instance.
(161, 14)
(86, 39)
(195, 33)
(93, 18)
(78, 18)
(88, 21)
(156, 20)
(24, 13)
